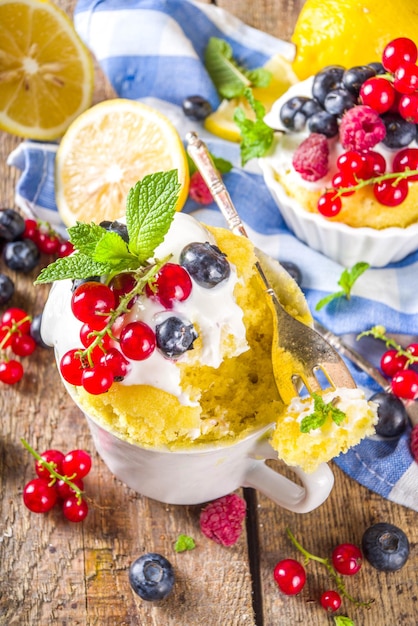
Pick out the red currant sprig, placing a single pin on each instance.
(59, 480)
(46, 238)
(390, 189)
(395, 363)
(346, 560)
(14, 335)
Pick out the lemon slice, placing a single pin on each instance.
(46, 72)
(105, 151)
(221, 122)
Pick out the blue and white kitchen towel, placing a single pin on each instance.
(153, 50)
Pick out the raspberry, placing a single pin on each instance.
(311, 157)
(361, 128)
(221, 520)
(414, 442)
(199, 191)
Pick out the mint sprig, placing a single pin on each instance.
(150, 209)
(346, 281)
(321, 413)
(256, 135)
(228, 76)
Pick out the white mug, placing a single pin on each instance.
(205, 473)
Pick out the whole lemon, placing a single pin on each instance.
(349, 32)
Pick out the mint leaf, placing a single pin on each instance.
(77, 265)
(183, 543)
(112, 249)
(322, 411)
(341, 620)
(150, 209)
(256, 136)
(346, 281)
(229, 78)
(85, 237)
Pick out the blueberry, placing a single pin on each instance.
(175, 336)
(206, 264)
(35, 331)
(377, 67)
(116, 227)
(21, 255)
(12, 224)
(7, 288)
(151, 576)
(323, 123)
(385, 546)
(293, 270)
(399, 132)
(296, 110)
(327, 80)
(196, 108)
(392, 414)
(356, 76)
(338, 101)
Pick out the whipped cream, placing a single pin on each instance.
(214, 313)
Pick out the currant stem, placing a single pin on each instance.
(378, 179)
(379, 332)
(53, 472)
(331, 571)
(14, 328)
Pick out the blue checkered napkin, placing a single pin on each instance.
(152, 50)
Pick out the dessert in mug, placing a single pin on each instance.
(180, 350)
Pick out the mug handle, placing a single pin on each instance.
(288, 494)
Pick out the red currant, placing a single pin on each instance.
(406, 159)
(64, 490)
(71, 366)
(329, 204)
(76, 464)
(290, 576)
(122, 284)
(377, 93)
(75, 510)
(97, 379)
(65, 249)
(23, 345)
(347, 559)
(406, 78)
(172, 283)
(31, 230)
(117, 363)
(408, 107)
(15, 316)
(405, 384)
(413, 349)
(88, 335)
(391, 362)
(55, 458)
(330, 600)
(390, 193)
(47, 242)
(374, 164)
(10, 372)
(397, 52)
(350, 161)
(344, 179)
(137, 341)
(39, 496)
(91, 302)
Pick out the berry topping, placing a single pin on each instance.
(297, 110)
(221, 520)
(137, 341)
(361, 128)
(92, 302)
(311, 157)
(151, 576)
(328, 79)
(198, 190)
(397, 52)
(196, 108)
(354, 77)
(399, 132)
(378, 93)
(324, 123)
(385, 546)
(392, 414)
(175, 336)
(205, 263)
(290, 576)
(172, 284)
(116, 227)
(338, 101)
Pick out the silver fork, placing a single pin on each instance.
(299, 353)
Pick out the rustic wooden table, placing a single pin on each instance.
(58, 573)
